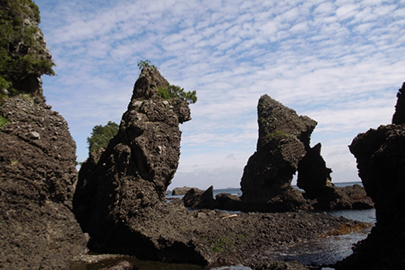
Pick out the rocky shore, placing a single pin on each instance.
(51, 215)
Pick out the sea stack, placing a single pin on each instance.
(266, 181)
(121, 190)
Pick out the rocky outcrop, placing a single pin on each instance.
(181, 190)
(283, 149)
(127, 184)
(37, 169)
(380, 155)
(37, 179)
(267, 177)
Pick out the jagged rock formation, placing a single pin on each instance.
(313, 174)
(134, 171)
(283, 148)
(120, 200)
(380, 156)
(37, 179)
(399, 115)
(266, 181)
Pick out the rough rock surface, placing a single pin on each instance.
(37, 179)
(134, 171)
(196, 198)
(120, 197)
(281, 146)
(181, 190)
(37, 171)
(380, 156)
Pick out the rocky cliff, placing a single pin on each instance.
(37, 166)
(380, 155)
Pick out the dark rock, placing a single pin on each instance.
(228, 202)
(37, 168)
(332, 198)
(280, 147)
(358, 197)
(121, 194)
(38, 176)
(313, 175)
(181, 190)
(399, 115)
(380, 156)
(196, 198)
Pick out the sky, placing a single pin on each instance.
(339, 62)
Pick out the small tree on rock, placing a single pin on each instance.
(101, 136)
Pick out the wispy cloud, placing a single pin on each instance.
(339, 62)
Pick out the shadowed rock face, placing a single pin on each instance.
(313, 174)
(380, 156)
(399, 115)
(280, 147)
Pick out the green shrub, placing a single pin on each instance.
(101, 136)
(174, 91)
(3, 121)
(19, 47)
(145, 64)
(277, 134)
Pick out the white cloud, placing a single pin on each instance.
(339, 62)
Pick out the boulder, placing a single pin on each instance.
(380, 155)
(181, 190)
(37, 168)
(228, 202)
(358, 197)
(281, 146)
(196, 198)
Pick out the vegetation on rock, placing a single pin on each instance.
(172, 91)
(101, 136)
(21, 45)
(3, 121)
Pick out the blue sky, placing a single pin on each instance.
(338, 62)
